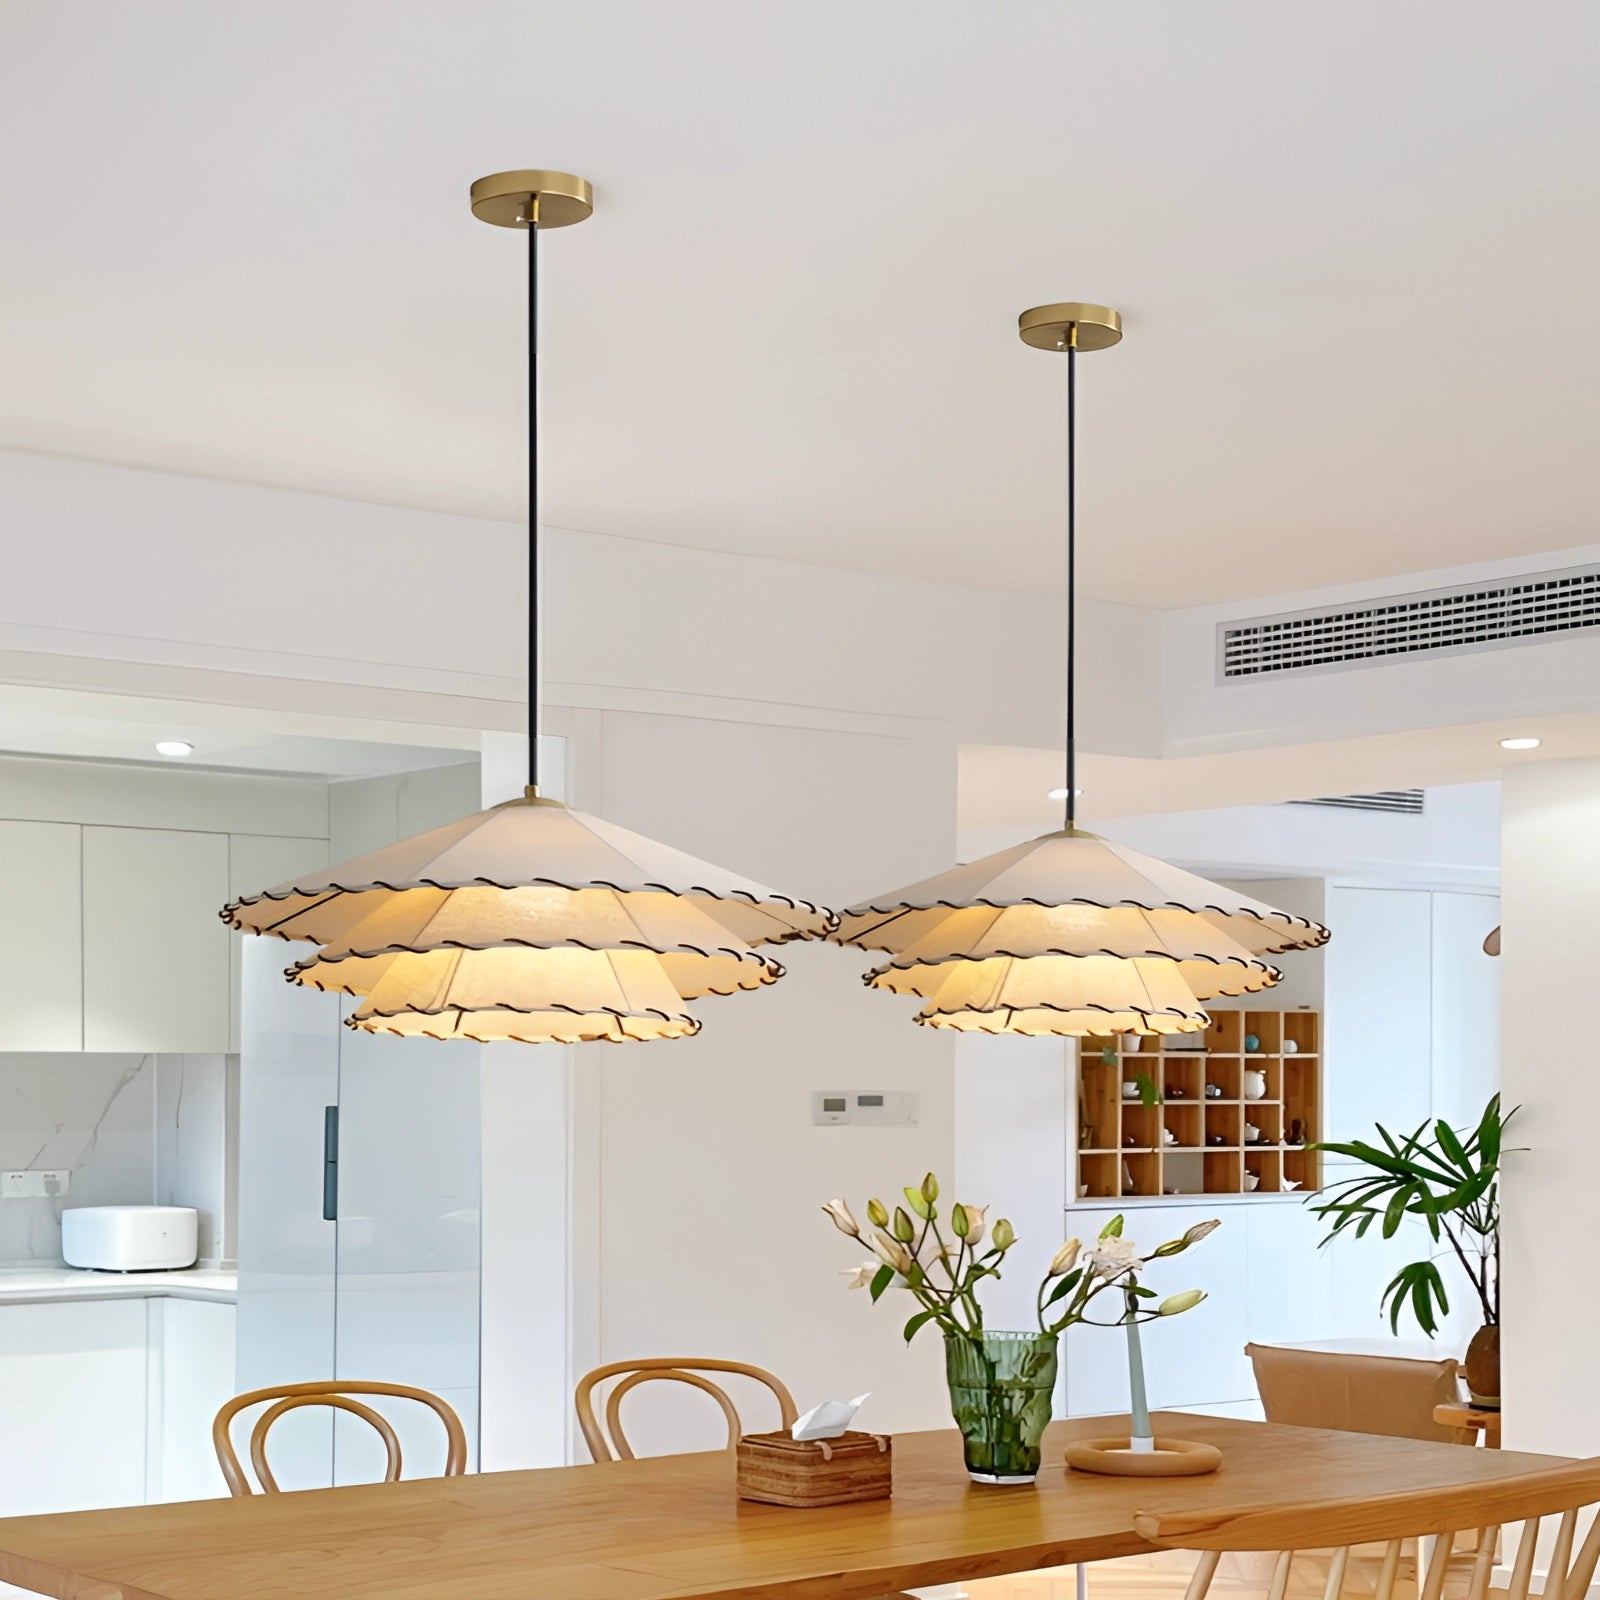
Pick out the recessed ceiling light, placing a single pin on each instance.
(174, 747)
(1061, 794)
(1519, 744)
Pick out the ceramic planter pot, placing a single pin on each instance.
(1001, 1387)
(1483, 1367)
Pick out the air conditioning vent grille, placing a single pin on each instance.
(1401, 802)
(1482, 617)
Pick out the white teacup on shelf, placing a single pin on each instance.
(1250, 1182)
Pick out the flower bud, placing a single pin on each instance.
(1195, 1234)
(891, 1252)
(1176, 1303)
(1063, 1259)
(904, 1229)
(930, 1188)
(958, 1220)
(877, 1214)
(842, 1219)
(1004, 1235)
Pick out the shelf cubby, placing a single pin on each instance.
(1128, 1149)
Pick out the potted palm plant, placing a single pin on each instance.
(1452, 1182)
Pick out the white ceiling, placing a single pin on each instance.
(1354, 245)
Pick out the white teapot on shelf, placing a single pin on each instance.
(1255, 1083)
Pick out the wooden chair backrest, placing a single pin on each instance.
(671, 1370)
(1436, 1514)
(1391, 1395)
(289, 1397)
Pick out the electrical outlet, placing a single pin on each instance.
(35, 1184)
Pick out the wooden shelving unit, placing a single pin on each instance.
(1190, 1143)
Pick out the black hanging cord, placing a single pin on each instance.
(1072, 579)
(533, 498)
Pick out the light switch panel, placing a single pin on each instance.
(872, 1108)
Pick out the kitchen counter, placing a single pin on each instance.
(33, 1285)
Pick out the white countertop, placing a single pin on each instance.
(30, 1285)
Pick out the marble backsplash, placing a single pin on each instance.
(130, 1129)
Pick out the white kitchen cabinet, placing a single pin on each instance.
(1378, 980)
(1466, 1007)
(155, 953)
(41, 936)
(72, 1406)
(191, 1376)
(258, 861)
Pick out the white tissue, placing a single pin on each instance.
(828, 1420)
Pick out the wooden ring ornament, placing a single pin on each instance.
(1171, 1458)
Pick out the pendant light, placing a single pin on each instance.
(1070, 933)
(530, 921)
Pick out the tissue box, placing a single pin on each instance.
(781, 1471)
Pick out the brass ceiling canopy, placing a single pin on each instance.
(1072, 325)
(530, 921)
(1068, 933)
(549, 199)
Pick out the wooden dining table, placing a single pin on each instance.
(671, 1528)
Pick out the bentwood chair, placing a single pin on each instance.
(1335, 1528)
(291, 1396)
(609, 1443)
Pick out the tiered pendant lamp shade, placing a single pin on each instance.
(534, 922)
(530, 921)
(1069, 933)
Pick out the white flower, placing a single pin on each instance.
(861, 1277)
(842, 1219)
(1112, 1257)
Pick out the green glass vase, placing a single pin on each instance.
(1001, 1386)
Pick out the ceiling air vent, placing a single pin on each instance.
(1401, 802)
(1440, 621)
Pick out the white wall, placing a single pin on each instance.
(705, 1169)
(711, 635)
(92, 1115)
(195, 1112)
(1549, 895)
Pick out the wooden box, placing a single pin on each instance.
(782, 1471)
